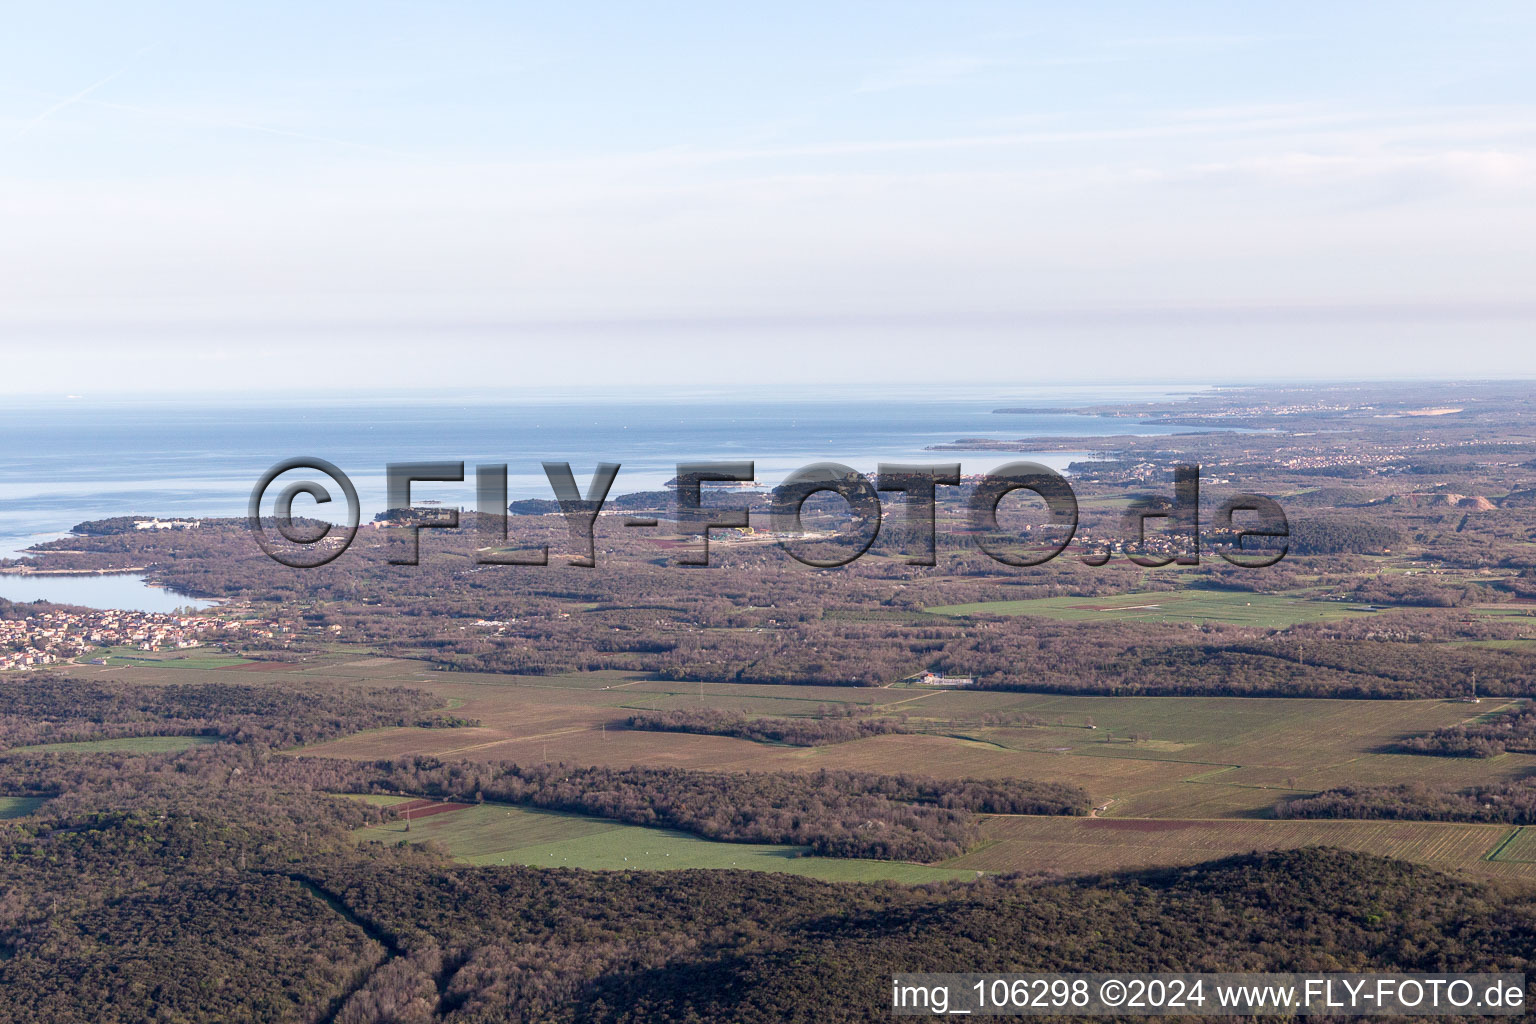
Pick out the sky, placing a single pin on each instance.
(208, 197)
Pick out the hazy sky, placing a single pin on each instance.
(199, 196)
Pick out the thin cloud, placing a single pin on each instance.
(78, 97)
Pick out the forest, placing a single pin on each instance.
(1508, 730)
(237, 896)
(47, 708)
(824, 728)
(1509, 802)
(832, 813)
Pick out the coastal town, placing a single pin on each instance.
(68, 634)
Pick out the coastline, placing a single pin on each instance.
(27, 570)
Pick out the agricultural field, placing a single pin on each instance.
(500, 834)
(132, 657)
(1519, 848)
(379, 799)
(1220, 763)
(1267, 611)
(1196, 757)
(1079, 845)
(128, 744)
(19, 806)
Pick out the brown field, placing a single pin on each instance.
(415, 809)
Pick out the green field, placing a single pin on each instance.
(1519, 848)
(379, 799)
(1269, 611)
(130, 744)
(1520, 611)
(19, 806)
(493, 834)
(129, 657)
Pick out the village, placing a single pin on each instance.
(60, 635)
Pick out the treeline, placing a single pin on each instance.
(834, 813)
(1335, 534)
(798, 732)
(1511, 803)
(1512, 730)
(10, 610)
(1011, 653)
(1316, 663)
(1422, 592)
(50, 709)
(447, 722)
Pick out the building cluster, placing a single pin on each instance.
(1322, 453)
(935, 679)
(1333, 460)
(51, 637)
(166, 524)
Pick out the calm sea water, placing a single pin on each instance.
(69, 460)
(122, 591)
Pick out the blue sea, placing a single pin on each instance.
(67, 460)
